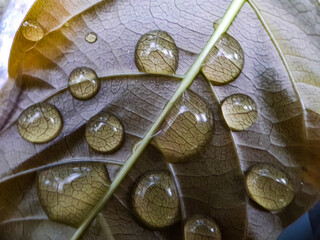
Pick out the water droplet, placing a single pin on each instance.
(156, 52)
(40, 123)
(104, 133)
(32, 30)
(69, 192)
(225, 61)
(201, 228)
(91, 37)
(216, 23)
(186, 130)
(156, 200)
(269, 187)
(83, 83)
(239, 111)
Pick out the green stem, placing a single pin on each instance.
(225, 23)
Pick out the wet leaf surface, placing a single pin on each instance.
(280, 75)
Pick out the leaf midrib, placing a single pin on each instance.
(281, 55)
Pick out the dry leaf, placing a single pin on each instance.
(280, 75)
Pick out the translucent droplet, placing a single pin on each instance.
(239, 111)
(83, 83)
(40, 123)
(104, 133)
(32, 30)
(201, 228)
(69, 192)
(156, 52)
(186, 130)
(225, 61)
(91, 37)
(156, 200)
(269, 187)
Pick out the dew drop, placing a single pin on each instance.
(225, 62)
(104, 133)
(201, 228)
(186, 130)
(269, 187)
(156, 200)
(69, 192)
(83, 83)
(239, 111)
(32, 30)
(156, 52)
(91, 37)
(40, 123)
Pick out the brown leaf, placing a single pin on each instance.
(279, 75)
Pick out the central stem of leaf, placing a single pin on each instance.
(225, 23)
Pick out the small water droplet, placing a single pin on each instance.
(83, 83)
(239, 111)
(104, 133)
(40, 123)
(156, 52)
(91, 37)
(69, 192)
(186, 130)
(32, 30)
(156, 200)
(269, 186)
(225, 61)
(216, 23)
(201, 228)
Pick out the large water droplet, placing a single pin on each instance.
(156, 200)
(156, 52)
(40, 123)
(239, 111)
(269, 187)
(201, 228)
(104, 132)
(186, 130)
(225, 61)
(91, 37)
(83, 83)
(69, 192)
(32, 30)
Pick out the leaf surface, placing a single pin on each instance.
(280, 74)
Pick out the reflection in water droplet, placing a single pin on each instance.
(269, 187)
(91, 37)
(239, 111)
(40, 123)
(69, 192)
(83, 83)
(156, 52)
(104, 133)
(156, 200)
(225, 61)
(186, 130)
(32, 30)
(201, 228)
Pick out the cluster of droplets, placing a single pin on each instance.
(69, 192)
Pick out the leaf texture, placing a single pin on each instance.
(280, 73)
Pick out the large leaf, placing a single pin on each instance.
(280, 74)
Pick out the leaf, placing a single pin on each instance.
(281, 82)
